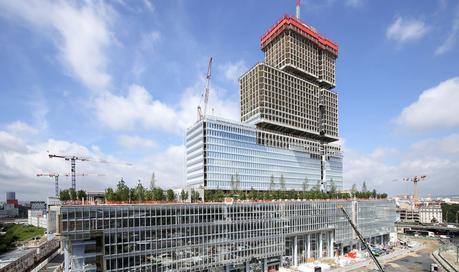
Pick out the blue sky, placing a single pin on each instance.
(121, 80)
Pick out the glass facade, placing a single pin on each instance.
(221, 151)
(212, 236)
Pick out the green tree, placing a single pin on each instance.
(109, 194)
(170, 195)
(271, 183)
(73, 194)
(184, 195)
(64, 195)
(122, 191)
(305, 184)
(158, 194)
(332, 186)
(195, 196)
(282, 182)
(374, 194)
(364, 187)
(139, 192)
(238, 181)
(233, 183)
(81, 194)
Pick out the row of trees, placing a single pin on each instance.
(140, 193)
(71, 194)
(219, 195)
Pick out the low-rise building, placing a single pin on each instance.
(430, 214)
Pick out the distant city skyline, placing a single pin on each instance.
(121, 81)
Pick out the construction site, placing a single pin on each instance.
(285, 142)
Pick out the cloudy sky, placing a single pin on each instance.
(120, 80)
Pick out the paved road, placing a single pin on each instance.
(415, 261)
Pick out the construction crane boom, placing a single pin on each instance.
(202, 112)
(361, 238)
(56, 178)
(415, 181)
(73, 160)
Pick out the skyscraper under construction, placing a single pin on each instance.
(289, 120)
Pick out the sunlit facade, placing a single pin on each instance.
(214, 236)
(228, 155)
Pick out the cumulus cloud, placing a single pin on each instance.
(436, 158)
(233, 70)
(80, 31)
(21, 160)
(404, 30)
(135, 142)
(138, 108)
(435, 108)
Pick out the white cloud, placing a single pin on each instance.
(451, 40)
(82, 34)
(136, 142)
(140, 109)
(233, 71)
(21, 160)
(435, 108)
(404, 30)
(20, 128)
(436, 158)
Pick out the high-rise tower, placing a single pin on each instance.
(289, 115)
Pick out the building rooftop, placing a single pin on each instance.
(302, 29)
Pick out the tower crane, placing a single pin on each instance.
(73, 160)
(202, 112)
(56, 178)
(415, 181)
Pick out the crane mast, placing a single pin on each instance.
(202, 112)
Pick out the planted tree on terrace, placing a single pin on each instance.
(73, 194)
(364, 187)
(158, 194)
(238, 181)
(195, 196)
(139, 192)
(170, 195)
(271, 183)
(184, 195)
(305, 184)
(64, 195)
(282, 182)
(332, 186)
(81, 194)
(122, 191)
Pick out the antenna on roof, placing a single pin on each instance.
(298, 9)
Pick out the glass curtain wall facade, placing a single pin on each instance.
(219, 152)
(211, 236)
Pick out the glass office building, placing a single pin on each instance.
(245, 236)
(220, 151)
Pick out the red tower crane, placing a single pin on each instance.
(73, 160)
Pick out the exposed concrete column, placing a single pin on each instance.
(331, 240)
(227, 268)
(320, 245)
(247, 267)
(66, 256)
(308, 246)
(265, 265)
(295, 251)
